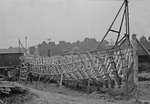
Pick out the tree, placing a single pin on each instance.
(144, 41)
(104, 45)
(43, 49)
(32, 50)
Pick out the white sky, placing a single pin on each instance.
(68, 20)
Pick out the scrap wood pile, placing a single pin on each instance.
(8, 88)
(12, 93)
(19, 98)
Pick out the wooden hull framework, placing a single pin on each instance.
(98, 66)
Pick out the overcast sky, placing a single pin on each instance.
(68, 20)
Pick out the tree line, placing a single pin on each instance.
(51, 48)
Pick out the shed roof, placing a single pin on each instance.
(8, 51)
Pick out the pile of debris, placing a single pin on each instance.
(12, 92)
(7, 87)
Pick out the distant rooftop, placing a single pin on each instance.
(9, 50)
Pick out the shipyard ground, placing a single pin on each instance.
(52, 94)
(39, 93)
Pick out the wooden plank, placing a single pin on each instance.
(143, 82)
(92, 65)
(145, 75)
(61, 80)
(77, 75)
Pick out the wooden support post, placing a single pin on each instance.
(135, 58)
(61, 80)
(88, 85)
(135, 66)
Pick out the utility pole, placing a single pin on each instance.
(19, 46)
(49, 50)
(26, 43)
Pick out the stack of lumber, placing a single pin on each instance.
(7, 88)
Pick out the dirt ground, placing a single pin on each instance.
(40, 93)
(52, 94)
